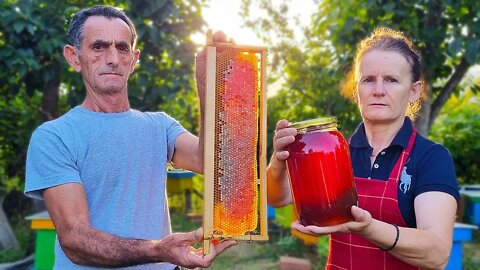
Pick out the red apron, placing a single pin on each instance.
(380, 198)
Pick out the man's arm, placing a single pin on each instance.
(188, 148)
(86, 245)
(188, 153)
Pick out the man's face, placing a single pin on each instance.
(106, 57)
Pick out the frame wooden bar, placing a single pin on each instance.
(263, 149)
(209, 151)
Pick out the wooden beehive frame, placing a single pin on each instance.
(209, 151)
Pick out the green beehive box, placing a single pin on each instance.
(45, 249)
(45, 236)
(283, 216)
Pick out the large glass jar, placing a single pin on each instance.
(321, 175)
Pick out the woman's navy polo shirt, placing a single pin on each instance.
(429, 165)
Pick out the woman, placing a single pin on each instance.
(405, 175)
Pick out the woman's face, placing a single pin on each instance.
(385, 86)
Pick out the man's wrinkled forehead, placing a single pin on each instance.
(106, 30)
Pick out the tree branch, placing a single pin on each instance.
(447, 90)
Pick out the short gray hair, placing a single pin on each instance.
(76, 27)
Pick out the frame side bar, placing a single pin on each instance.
(209, 147)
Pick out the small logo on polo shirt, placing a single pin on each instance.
(405, 180)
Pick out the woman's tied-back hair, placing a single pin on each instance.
(76, 28)
(386, 39)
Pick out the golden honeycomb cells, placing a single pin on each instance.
(237, 108)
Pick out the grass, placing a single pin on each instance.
(260, 255)
(471, 252)
(252, 256)
(266, 255)
(24, 235)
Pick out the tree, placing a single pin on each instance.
(37, 85)
(458, 128)
(446, 32)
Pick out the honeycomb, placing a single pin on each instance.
(235, 206)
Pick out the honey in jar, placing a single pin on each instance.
(321, 175)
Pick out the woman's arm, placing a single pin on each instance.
(427, 246)
(278, 186)
(430, 244)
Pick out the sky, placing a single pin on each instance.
(223, 15)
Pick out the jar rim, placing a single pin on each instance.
(314, 122)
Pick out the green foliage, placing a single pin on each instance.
(458, 129)
(23, 234)
(471, 250)
(322, 247)
(290, 245)
(185, 107)
(18, 118)
(303, 106)
(36, 83)
(433, 25)
(167, 52)
(31, 41)
(446, 33)
(180, 224)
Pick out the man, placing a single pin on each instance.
(101, 167)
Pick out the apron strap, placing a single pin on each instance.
(397, 169)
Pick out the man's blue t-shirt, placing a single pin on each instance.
(120, 160)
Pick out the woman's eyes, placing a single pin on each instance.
(372, 79)
(368, 79)
(390, 79)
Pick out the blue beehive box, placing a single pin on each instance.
(179, 180)
(270, 212)
(461, 233)
(472, 194)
